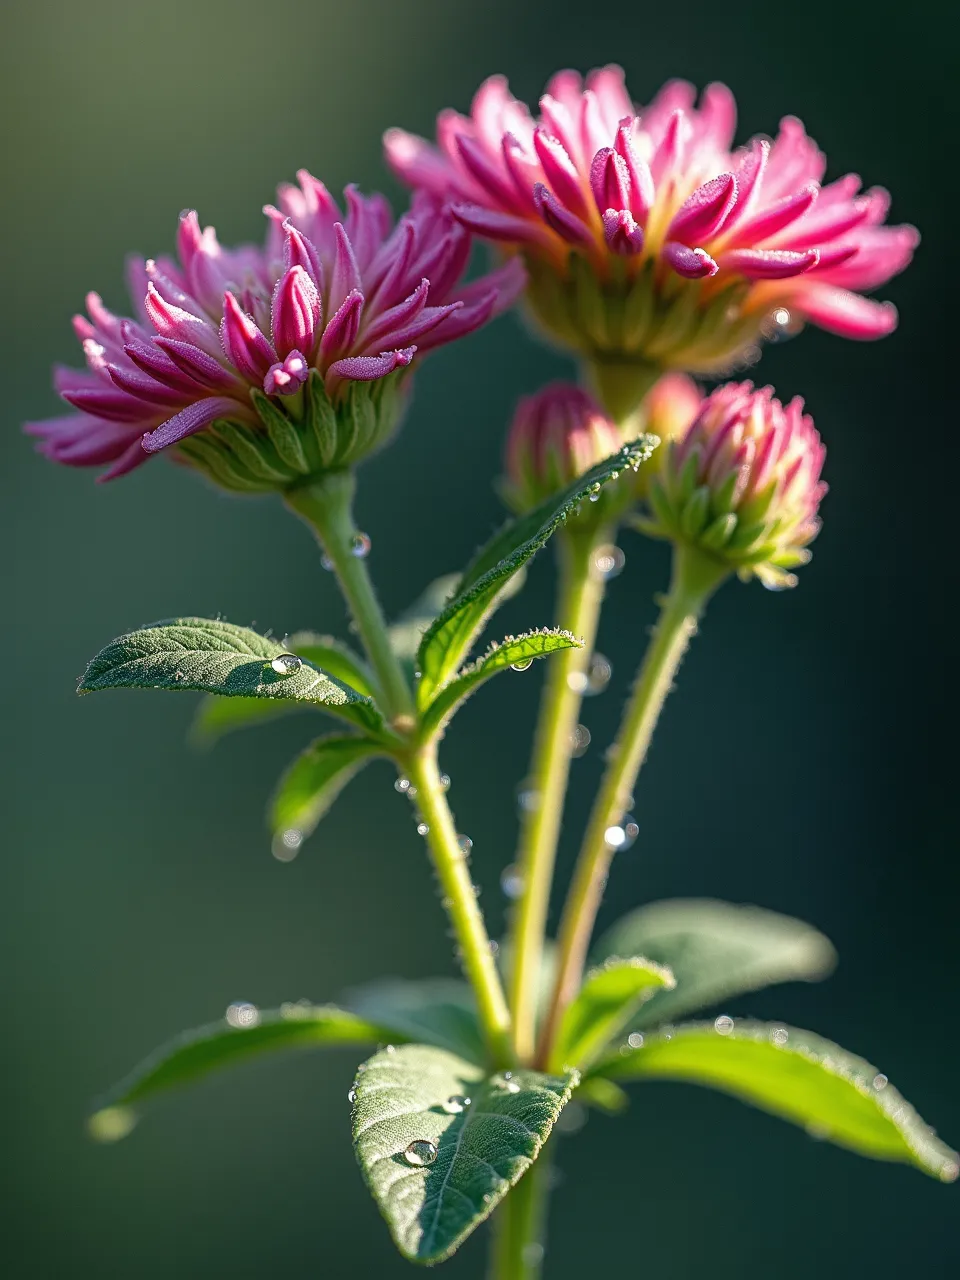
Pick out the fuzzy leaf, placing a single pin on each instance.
(517, 651)
(213, 657)
(716, 950)
(217, 716)
(402, 1097)
(407, 632)
(206, 1049)
(450, 637)
(436, 1011)
(606, 1003)
(798, 1076)
(315, 779)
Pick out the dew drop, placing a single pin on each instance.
(723, 1025)
(464, 843)
(494, 947)
(525, 665)
(423, 828)
(880, 1082)
(608, 561)
(511, 882)
(579, 741)
(597, 675)
(779, 1036)
(621, 835)
(389, 1048)
(444, 782)
(360, 545)
(285, 664)
(456, 1103)
(420, 1153)
(402, 785)
(286, 844)
(532, 1253)
(242, 1014)
(512, 1086)
(528, 799)
(352, 1096)
(635, 1040)
(326, 563)
(577, 681)
(178, 676)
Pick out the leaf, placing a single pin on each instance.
(605, 1004)
(450, 637)
(602, 1094)
(798, 1076)
(436, 1011)
(217, 716)
(716, 950)
(408, 1097)
(514, 651)
(213, 657)
(197, 1053)
(315, 779)
(407, 632)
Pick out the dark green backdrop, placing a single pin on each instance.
(805, 763)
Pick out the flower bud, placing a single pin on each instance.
(556, 436)
(667, 412)
(742, 484)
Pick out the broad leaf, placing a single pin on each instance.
(221, 1044)
(335, 658)
(606, 1003)
(716, 950)
(515, 651)
(437, 1166)
(315, 779)
(451, 636)
(798, 1076)
(217, 716)
(436, 1011)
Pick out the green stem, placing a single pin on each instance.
(450, 862)
(327, 507)
(519, 1226)
(580, 597)
(695, 578)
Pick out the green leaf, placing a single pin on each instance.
(606, 1003)
(716, 950)
(798, 1076)
(197, 1053)
(411, 1099)
(603, 1095)
(450, 637)
(514, 651)
(406, 633)
(217, 716)
(437, 1011)
(213, 657)
(315, 779)
(335, 658)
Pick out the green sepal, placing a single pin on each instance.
(717, 534)
(478, 1152)
(798, 1076)
(200, 1052)
(693, 517)
(448, 640)
(514, 651)
(606, 1003)
(715, 950)
(312, 783)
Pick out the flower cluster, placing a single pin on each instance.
(645, 235)
(742, 484)
(227, 341)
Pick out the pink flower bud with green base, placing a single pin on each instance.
(650, 242)
(666, 412)
(267, 367)
(742, 485)
(558, 435)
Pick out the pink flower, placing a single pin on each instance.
(353, 298)
(653, 200)
(743, 483)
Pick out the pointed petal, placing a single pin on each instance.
(692, 264)
(192, 419)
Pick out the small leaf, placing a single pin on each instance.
(436, 1011)
(798, 1076)
(213, 657)
(217, 716)
(407, 632)
(602, 1094)
(315, 779)
(607, 1002)
(197, 1053)
(335, 658)
(514, 651)
(716, 950)
(450, 637)
(436, 1166)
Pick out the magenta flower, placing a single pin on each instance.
(742, 484)
(237, 344)
(690, 246)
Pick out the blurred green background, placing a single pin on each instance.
(805, 763)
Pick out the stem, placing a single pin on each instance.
(327, 507)
(517, 1248)
(450, 863)
(695, 578)
(580, 597)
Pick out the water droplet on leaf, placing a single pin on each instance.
(242, 1014)
(352, 1096)
(723, 1025)
(635, 1040)
(286, 844)
(523, 665)
(420, 1153)
(285, 664)
(880, 1082)
(456, 1103)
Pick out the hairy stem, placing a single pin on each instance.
(695, 578)
(581, 590)
(450, 863)
(327, 507)
(516, 1251)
